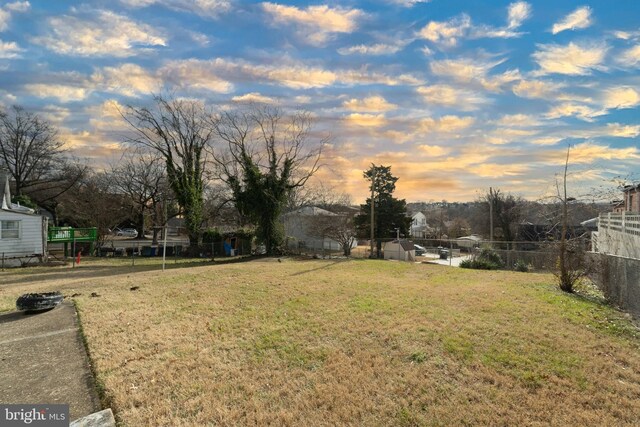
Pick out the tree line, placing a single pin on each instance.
(178, 152)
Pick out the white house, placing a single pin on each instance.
(23, 234)
(419, 227)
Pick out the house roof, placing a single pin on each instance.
(6, 204)
(404, 244)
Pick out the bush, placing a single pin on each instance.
(491, 256)
(485, 260)
(521, 266)
(479, 264)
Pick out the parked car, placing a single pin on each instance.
(420, 250)
(126, 232)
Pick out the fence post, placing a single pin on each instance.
(73, 251)
(2, 261)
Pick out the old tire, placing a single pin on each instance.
(39, 301)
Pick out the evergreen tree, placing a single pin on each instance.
(389, 213)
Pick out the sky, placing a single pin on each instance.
(457, 96)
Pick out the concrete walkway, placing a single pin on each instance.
(43, 361)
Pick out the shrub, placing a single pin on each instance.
(491, 256)
(479, 264)
(521, 266)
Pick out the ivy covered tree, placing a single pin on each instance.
(390, 214)
(179, 131)
(268, 155)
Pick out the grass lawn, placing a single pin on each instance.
(326, 342)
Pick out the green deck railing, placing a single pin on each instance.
(69, 234)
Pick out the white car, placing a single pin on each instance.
(126, 232)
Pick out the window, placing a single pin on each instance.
(9, 229)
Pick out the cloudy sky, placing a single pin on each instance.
(456, 95)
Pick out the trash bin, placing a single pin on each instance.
(444, 254)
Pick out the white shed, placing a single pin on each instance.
(22, 232)
(402, 250)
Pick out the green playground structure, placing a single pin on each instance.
(72, 235)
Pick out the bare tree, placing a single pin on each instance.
(571, 256)
(141, 175)
(506, 210)
(267, 155)
(29, 147)
(339, 227)
(94, 203)
(319, 195)
(179, 131)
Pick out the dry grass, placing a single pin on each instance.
(351, 343)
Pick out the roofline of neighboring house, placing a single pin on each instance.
(19, 212)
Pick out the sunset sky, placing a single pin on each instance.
(456, 95)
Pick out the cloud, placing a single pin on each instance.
(535, 89)
(374, 49)
(217, 74)
(495, 170)
(127, 79)
(64, 93)
(546, 140)
(517, 13)
(434, 150)
(198, 74)
(580, 111)
(447, 32)
(630, 57)
(622, 131)
(5, 12)
(9, 50)
(463, 99)
(372, 104)
(463, 69)
(205, 8)
(518, 120)
(589, 152)
(18, 6)
(445, 124)
(578, 19)
(254, 97)
(317, 24)
(468, 70)
(366, 120)
(621, 97)
(572, 59)
(100, 33)
(5, 17)
(408, 3)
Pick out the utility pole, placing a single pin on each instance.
(491, 216)
(373, 183)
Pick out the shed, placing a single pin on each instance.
(22, 232)
(402, 250)
(472, 241)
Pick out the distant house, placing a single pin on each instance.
(402, 250)
(23, 233)
(619, 231)
(419, 227)
(631, 200)
(303, 228)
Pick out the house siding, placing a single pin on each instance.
(31, 237)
